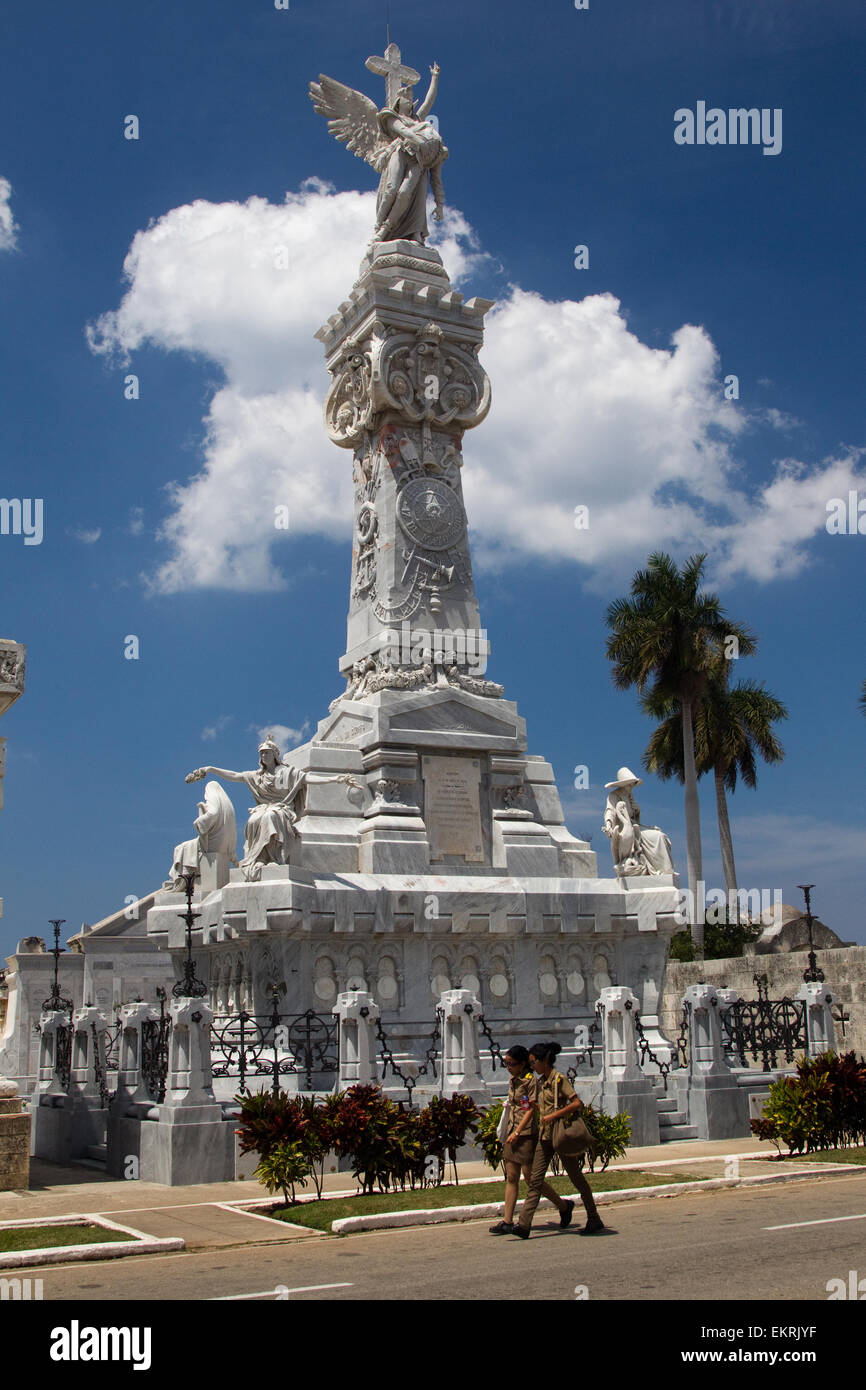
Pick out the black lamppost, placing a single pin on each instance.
(55, 999)
(812, 975)
(190, 987)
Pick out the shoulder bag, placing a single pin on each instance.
(571, 1136)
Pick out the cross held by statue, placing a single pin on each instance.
(396, 75)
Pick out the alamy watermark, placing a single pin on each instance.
(440, 647)
(718, 906)
(22, 516)
(845, 518)
(736, 126)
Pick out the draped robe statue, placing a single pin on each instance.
(270, 832)
(636, 848)
(217, 834)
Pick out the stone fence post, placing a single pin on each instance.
(131, 1088)
(88, 1057)
(186, 1139)
(461, 1063)
(189, 1084)
(820, 1025)
(51, 1082)
(717, 1105)
(624, 1085)
(357, 1012)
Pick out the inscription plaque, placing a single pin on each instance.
(452, 807)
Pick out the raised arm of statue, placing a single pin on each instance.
(227, 776)
(427, 104)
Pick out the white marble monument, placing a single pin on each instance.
(413, 845)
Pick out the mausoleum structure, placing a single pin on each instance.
(415, 844)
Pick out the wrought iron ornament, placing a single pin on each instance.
(190, 987)
(55, 999)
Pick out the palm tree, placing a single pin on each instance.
(730, 726)
(670, 634)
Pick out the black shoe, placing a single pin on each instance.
(566, 1215)
(502, 1228)
(522, 1231)
(593, 1227)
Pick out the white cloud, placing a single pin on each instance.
(283, 736)
(584, 413)
(8, 228)
(209, 733)
(87, 537)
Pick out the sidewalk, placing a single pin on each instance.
(202, 1217)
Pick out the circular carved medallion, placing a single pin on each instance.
(367, 523)
(430, 513)
(498, 985)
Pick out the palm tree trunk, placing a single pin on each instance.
(694, 866)
(726, 842)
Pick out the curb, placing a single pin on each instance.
(437, 1215)
(141, 1244)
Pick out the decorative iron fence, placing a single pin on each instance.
(154, 1051)
(274, 1045)
(63, 1055)
(763, 1028)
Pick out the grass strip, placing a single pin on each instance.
(46, 1237)
(319, 1215)
(857, 1155)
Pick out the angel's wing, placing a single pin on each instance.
(351, 119)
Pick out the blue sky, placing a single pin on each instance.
(608, 389)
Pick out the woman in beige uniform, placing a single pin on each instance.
(518, 1149)
(556, 1099)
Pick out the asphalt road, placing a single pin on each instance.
(715, 1246)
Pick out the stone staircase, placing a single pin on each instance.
(673, 1122)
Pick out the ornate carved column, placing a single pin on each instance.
(406, 383)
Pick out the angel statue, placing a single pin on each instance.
(636, 848)
(400, 143)
(276, 787)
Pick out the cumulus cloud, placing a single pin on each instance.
(584, 413)
(283, 736)
(85, 535)
(8, 229)
(209, 733)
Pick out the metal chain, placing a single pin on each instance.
(429, 1063)
(495, 1049)
(646, 1052)
(682, 1037)
(585, 1054)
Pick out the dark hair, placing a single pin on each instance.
(519, 1054)
(546, 1051)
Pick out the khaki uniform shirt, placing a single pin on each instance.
(523, 1096)
(553, 1096)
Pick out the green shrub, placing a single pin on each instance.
(822, 1107)
(488, 1139)
(282, 1167)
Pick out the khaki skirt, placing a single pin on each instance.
(521, 1152)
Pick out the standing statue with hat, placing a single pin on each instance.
(636, 848)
